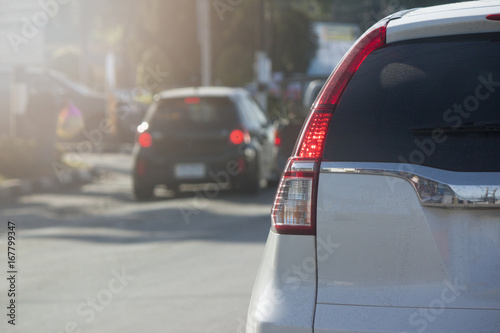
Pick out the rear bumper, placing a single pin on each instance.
(284, 300)
(228, 167)
(342, 318)
(284, 293)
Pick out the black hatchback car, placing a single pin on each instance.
(204, 135)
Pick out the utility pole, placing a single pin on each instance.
(205, 40)
(85, 26)
(262, 66)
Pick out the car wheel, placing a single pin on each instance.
(143, 191)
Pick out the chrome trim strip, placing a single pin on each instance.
(302, 166)
(433, 186)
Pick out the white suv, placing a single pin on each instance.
(387, 217)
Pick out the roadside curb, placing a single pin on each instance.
(14, 188)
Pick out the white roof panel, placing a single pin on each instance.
(446, 20)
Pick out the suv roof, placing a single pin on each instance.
(445, 20)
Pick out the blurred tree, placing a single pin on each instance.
(150, 75)
(109, 26)
(66, 59)
(233, 44)
(286, 32)
(132, 28)
(294, 43)
(234, 66)
(171, 26)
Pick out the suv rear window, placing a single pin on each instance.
(433, 102)
(195, 112)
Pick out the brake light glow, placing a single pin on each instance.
(313, 138)
(192, 100)
(493, 17)
(294, 209)
(277, 138)
(237, 137)
(145, 140)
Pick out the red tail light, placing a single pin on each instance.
(145, 140)
(293, 210)
(277, 138)
(313, 139)
(295, 202)
(493, 17)
(192, 100)
(237, 137)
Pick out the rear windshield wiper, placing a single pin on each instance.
(467, 127)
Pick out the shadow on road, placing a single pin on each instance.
(94, 214)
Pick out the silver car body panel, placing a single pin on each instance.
(434, 187)
(403, 320)
(446, 20)
(284, 294)
(395, 250)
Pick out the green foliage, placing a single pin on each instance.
(233, 42)
(170, 26)
(233, 66)
(152, 64)
(285, 33)
(134, 27)
(293, 42)
(66, 59)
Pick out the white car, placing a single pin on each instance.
(387, 217)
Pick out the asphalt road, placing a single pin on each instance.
(92, 259)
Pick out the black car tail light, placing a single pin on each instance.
(145, 140)
(294, 209)
(238, 136)
(277, 138)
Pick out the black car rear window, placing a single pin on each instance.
(433, 102)
(194, 112)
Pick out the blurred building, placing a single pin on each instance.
(27, 28)
(334, 39)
